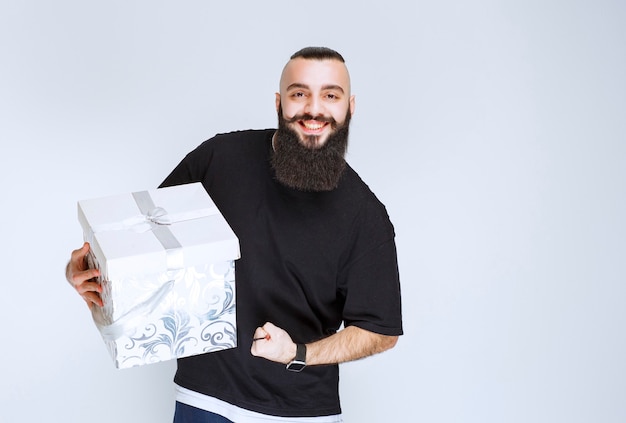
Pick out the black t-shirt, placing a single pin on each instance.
(310, 261)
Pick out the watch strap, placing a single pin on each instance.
(299, 362)
(300, 353)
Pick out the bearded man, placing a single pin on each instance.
(317, 252)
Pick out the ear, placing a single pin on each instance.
(277, 101)
(352, 105)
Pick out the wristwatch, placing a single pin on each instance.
(299, 362)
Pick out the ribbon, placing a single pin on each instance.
(154, 215)
(157, 220)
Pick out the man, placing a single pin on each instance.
(317, 250)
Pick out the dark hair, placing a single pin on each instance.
(318, 53)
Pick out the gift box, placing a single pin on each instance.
(166, 258)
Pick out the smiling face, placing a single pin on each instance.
(315, 98)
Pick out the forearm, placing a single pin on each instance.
(351, 343)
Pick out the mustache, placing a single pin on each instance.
(307, 116)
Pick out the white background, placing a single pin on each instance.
(494, 132)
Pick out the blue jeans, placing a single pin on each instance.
(187, 414)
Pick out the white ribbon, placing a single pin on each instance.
(156, 216)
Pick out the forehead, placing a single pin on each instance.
(315, 74)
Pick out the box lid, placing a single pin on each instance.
(156, 230)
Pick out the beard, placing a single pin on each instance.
(303, 164)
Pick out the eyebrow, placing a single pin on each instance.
(325, 87)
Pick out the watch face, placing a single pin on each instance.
(296, 366)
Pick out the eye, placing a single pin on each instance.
(332, 96)
(297, 94)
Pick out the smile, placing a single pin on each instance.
(312, 126)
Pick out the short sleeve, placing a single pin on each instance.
(371, 281)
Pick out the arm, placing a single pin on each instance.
(79, 276)
(351, 343)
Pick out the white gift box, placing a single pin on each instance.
(166, 258)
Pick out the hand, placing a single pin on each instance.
(81, 278)
(273, 343)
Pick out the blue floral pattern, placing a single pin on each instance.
(197, 316)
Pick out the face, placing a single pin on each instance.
(315, 99)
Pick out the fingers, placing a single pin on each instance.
(92, 298)
(78, 255)
(272, 343)
(77, 272)
(77, 264)
(270, 327)
(83, 279)
(88, 286)
(265, 332)
(261, 335)
(77, 278)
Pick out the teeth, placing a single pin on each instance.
(313, 125)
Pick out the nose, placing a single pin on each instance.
(314, 107)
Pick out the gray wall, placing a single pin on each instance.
(493, 131)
